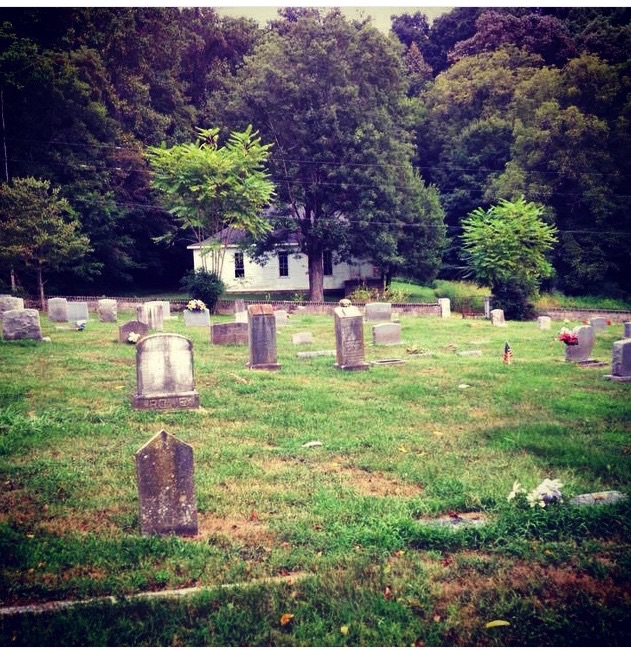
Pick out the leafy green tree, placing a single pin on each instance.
(505, 248)
(38, 230)
(210, 189)
(331, 95)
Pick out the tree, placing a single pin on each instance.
(331, 95)
(211, 189)
(505, 248)
(38, 229)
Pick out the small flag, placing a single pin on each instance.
(508, 353)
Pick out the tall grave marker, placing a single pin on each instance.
(262, 337)
(164, 373)
(349, 339)
(166, 487)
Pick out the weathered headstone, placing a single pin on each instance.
(166, 487)
(302, 338)
(315, 353)
(78, 311)
(21, 324)
(487, 307)
(281, 316)
(262, 337)
(386, 334)
(164, 373)
(627, 330)
(598, 323)
(621, 361)
(229, 333)
(166, 307)
(135, 326)
(583, 350)
(497, 318)
(544, 322)
(378, 311)
(445, 307)
(107, 310)
(240, 312)
(197, 318)
(152, 314)
(349, 339)
(9, 303)
(58, 310)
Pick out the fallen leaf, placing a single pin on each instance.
(497, 623)
(313, 443)
(345, 630)
(387, 593)
(403, 450)
(286, 618)
(436, 618)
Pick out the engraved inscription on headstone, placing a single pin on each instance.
(196, 318)
(164, 373)
(281, 316)
(166, 487)
(349, 339)
(598, 323)
(262, 337)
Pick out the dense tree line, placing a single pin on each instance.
(380, 143)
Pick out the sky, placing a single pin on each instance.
(380, 15)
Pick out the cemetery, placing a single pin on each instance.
(236, 481)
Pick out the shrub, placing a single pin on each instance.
(206, 286)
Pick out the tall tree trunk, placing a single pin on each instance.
(40, 284)
(316, 276)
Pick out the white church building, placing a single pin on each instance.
(285, 269)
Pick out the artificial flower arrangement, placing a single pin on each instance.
(196, 305)
(546, 493)
(133, 338)
(568, 337)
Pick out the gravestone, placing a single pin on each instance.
(152, 314)
(166, 307)
(107, 310)
(197, 318)
(302, 338)
(229, 333)
(164, 373)
(349, 339)
(378, 311)
(166, 487)
(281, 316)
(544, 322)
(497, 318)
(621, 361)
(136, 326)
(582, 351)
(315, 353)
(445, 307)
(487, 307)
(262, 337)
(598, 323)
(58, 310)
(9, 303)
(240, 312)
(627, 330)
(20, 324)
(78, 311)
(386, 334)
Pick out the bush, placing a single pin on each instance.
(514, 300)
(203, 285)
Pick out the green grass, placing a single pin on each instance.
(346, 526)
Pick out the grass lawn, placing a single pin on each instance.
(347, 530)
